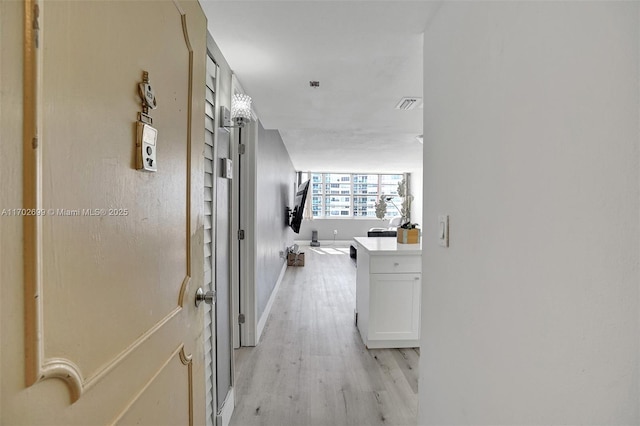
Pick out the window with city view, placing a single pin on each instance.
(347, 195)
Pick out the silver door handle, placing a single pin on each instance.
(209, 297)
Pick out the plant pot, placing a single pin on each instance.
(408, 236)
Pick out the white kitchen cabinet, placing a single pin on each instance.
(388, 291)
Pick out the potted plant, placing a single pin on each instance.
(408, 233)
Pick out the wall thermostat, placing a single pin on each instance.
(146, 147)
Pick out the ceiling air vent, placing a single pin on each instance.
(407, 103)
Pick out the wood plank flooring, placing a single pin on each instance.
(311, 367)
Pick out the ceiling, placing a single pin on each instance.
(366, 55)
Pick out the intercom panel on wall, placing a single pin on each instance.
(146, 147)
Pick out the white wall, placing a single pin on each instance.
(531, 146)
(347, 229)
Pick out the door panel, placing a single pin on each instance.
(114, 264)
(154, 405)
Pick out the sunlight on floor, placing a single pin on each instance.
(337, 250)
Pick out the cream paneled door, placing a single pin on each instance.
(111, 332)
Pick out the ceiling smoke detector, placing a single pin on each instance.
(314, 84)
(408, 103)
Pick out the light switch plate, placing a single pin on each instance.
(443, 230)
(225, 116)
(227, 168)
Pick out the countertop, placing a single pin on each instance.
(386, 245)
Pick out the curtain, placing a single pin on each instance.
(307, 214)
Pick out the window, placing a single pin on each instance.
(352, 194)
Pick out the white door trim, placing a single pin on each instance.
(223, 417)
(210, 356)
(245, 204)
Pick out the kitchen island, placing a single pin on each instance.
(388, 291)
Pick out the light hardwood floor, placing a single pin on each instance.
(311, 367)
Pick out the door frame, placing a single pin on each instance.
(244, 252)
(222, 413)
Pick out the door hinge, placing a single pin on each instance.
(242, 148)
(36, 24)
(241, 234)
(241, 319)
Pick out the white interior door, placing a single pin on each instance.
(218, 176)
(102, 321)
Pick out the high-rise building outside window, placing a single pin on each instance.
(352, 194)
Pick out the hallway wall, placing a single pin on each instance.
(531, 147)
(275, 184)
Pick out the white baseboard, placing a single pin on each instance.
(265, 315)
(223, 418)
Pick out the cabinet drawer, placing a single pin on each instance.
(395, 264)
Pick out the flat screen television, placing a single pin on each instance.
(298, 209)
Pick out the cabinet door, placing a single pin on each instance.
(395, 307)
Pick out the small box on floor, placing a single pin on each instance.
(295, 259)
